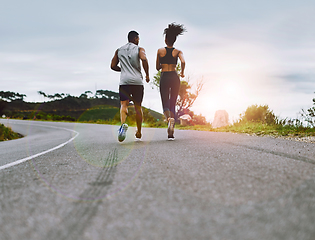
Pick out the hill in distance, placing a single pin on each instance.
(103, 106)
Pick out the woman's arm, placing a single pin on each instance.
(182, 60)
(158, 65)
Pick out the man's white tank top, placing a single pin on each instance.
(130, 65)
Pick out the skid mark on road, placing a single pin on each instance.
(281, 154)
(82, 212)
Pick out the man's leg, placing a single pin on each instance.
(139, 117)
(123, 110)
(137, 98)
(123, 115)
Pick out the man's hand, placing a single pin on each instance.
(147, 78)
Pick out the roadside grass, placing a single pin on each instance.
(206, 127)
(247, 127)
(261, 129)
(252, 128)
(6, 133)
(259, 120)
(258, 129)
(131, 123)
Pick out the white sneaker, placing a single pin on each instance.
(138, 137)
(122, 132)
(170, 129)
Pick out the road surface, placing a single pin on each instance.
(75, 181)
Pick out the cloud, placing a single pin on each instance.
(300, 82)
(238, 47)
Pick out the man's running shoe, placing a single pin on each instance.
(138, 136)
(170, 129)
(122, 132)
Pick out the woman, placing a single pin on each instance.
(166, 60)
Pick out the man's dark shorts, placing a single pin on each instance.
(132, 93)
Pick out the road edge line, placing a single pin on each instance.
(41, 153)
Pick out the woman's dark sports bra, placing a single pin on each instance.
(168, 58)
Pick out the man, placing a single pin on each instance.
(131, 83)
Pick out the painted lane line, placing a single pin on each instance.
(42, 153)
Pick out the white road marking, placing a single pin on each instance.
(42, 153)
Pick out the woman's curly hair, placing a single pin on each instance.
(173, 31)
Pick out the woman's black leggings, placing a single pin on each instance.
(169, 88)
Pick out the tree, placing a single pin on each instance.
(83, 95)
(19, 96)
(11, 96)
(107, 94)
(2, 106)
(52, 97)
(43, 94)
(309, 114)
(87, 93)
(186, 98)
(199, 120)
(261, 113)
(58, 95)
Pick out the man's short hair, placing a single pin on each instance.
(132, 35)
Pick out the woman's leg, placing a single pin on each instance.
(139, 117)
(165, 92)
(175, 84)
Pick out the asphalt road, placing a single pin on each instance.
(75, 181)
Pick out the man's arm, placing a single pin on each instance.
(145, 63)
(114, 64)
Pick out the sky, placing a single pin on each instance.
(246, 52)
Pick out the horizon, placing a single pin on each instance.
(94, 96)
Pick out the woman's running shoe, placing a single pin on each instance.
(171, 124)
(122, 132)
(171, 138)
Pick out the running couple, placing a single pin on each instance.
(131, 80)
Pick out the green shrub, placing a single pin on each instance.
(199, 120)
(99, 113)
(7, 133)
(68, 118)
(309, 115)
(261, 113)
